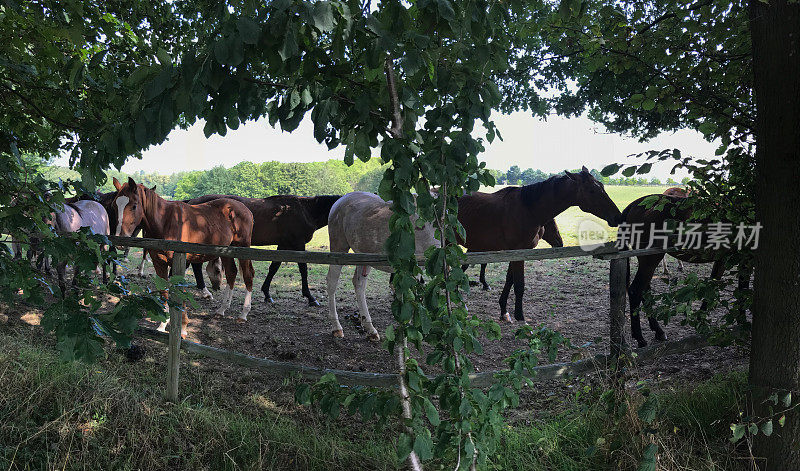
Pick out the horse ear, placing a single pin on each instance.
(154, 188)
(131, 182)
(117, 184)
(584, 169)
(571, 175)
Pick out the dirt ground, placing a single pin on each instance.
(569, 295)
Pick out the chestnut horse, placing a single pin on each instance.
(514, 218)
(675, 208)
(551, 235)
(360, 221)
(286, 221)
(220, 222)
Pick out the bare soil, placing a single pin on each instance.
(569, 295)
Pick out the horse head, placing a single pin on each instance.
(592, 198)
(129, 205)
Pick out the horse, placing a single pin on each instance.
(286, 221)
(72, 218)
(220, 222)
(514, 217)
(360, 221)
(674, 208)
(680, 193)
(107, 199)
(551, 235)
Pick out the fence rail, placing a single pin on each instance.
(617, 289)
(373, 259)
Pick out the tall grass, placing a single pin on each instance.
(113, 415)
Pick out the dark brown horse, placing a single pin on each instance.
(220, 222)
(514, 218)
(551, 235)
(286, 221)
(680, 193)
(663, 208)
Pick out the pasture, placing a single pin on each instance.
(246, 417)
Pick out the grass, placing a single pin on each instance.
(113, 416)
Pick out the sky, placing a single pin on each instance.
(551, 146)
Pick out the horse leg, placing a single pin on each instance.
(640, 285)
(486, 286)
(229, 267)
(332, 281)
(273, 268)
(197, 269)
(303, 267)
(360, 286)
(664, 263)
(246, 267)
(141, 265)
(504, 295)
(518, 272)
(717, 270)
(680, 265)
(464, 268)
(214, 272)
(162, 271)
(61, 269)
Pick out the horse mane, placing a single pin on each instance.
(532, 193)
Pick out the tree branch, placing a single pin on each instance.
(397, 118)
(400, 350)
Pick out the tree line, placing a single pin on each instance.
(259, 180)
(515, 176)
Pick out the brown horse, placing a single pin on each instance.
(674, 208)
(514, 218)
(220, 222)
(286, 221)
(551, 235)
(107, 200)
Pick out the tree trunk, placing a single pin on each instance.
(775, 356)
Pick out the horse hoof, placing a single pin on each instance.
(473, 283)
(662, 337)
(313, 303)
(505, 317)
(268, 299)
(206, 294)
(240, 320)
(338, 334)
(641, 343)
(374, 337)
(487, 288)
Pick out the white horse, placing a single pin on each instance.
(360, 221)
(82, 213)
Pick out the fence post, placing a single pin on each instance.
(175, 318)
(618, 287)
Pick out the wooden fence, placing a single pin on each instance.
(617, 289)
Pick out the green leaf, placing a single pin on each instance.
(403, 447)
(610, 169)
(648, 104)
(289, 48)
(738, 432)
(431, 412)
(648, 410)
(423, 445)
(648, 461)
(787, 399)
(323, 16)
(628, 172)
(766, 428)
(644, 168)
(249, 30)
